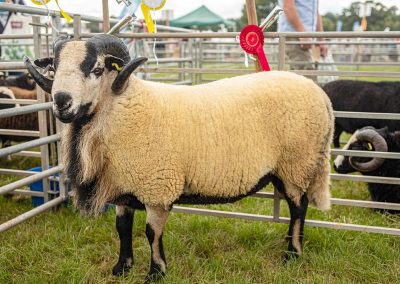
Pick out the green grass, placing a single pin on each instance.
(60, 246)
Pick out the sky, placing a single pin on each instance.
(181, 7)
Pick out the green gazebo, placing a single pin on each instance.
(201, 17)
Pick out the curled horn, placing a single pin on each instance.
(122, 76)
(379, 144)
(109, 44)
(43, 82)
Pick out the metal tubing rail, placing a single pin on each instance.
(30, 144)
(16, 172)
(25, 109)
(12, 65)
(43, 12)
(269, 42)
(14, 132)
(216, 61)
(18, 101)
(343, 202)
(369, 179)
(257, 217)
(349, 73)
(27, 192)
(266, 35)
(30, 179)
(370, 115)
(170, 60)
(28, 154)
(16, 36)
(31, 213)
(248, 71)
(367, 154)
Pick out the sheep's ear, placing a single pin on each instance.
(44, 62)
(113, 63)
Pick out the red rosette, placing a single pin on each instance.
(252, 41)
(251, 37)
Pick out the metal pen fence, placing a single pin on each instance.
(188, 66)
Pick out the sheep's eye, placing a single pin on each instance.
(98, 71)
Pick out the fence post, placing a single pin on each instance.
(181, 75)
(200, 58)
(281, 52)
(77, 27)
(106, 17)
(190, 49)
(42, 115)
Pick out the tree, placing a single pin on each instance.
(263, 8)
(329, 21)
(381, 17)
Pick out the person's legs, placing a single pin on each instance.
(300, 59)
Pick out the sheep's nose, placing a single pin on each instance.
(62, 100)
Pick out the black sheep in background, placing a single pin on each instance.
(362, 96)
(380, 140)
(27, 121)
(23, 81)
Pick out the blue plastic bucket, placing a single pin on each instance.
(54, 186)
(38, 186)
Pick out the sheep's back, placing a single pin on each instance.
(218, 139)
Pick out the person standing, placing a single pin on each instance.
(301, 16)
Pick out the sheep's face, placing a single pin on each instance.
(365, 139)
(82, 77)
(84, 73)
(342, 163)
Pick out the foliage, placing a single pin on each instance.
(381, 16)
(263, 8)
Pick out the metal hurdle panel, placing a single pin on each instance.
(195, 57)
(283, 39)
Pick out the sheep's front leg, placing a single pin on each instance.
(124, 224)
(155, 222)
(298, 209)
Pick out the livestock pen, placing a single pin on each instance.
(54, 232)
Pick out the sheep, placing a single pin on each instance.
(6, 93)
(380, 140)
(23, 81)
(147, 145)
(363, 96)
(21, 122)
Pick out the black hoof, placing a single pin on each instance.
(120, 268)
(153, 277)
(290, 255)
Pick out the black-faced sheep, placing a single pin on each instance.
(362, 96)
(380, 140)
(23, 81)
(148, 145)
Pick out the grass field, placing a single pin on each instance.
(60, 246)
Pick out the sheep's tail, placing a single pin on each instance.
(318, 192)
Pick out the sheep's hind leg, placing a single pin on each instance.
(155, 222)
(336, 135)
(298, 210)
(124, 224)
